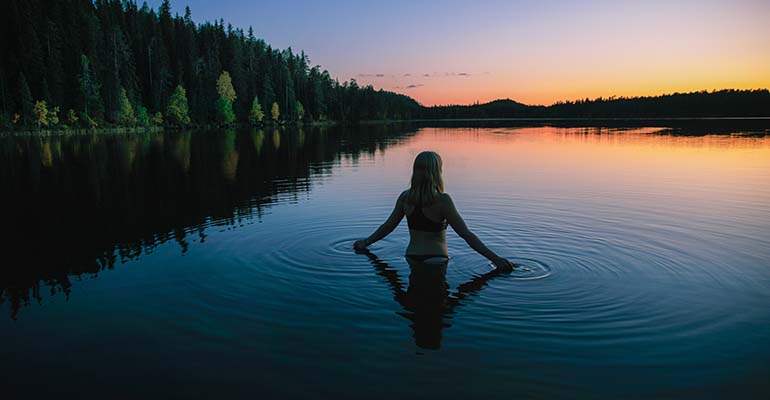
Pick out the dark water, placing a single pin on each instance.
(219, 264)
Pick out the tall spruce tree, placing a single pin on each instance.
(178, 111)
(256, 114)
(224, 104)
(27, 103)
(89, 89)
(126, 116)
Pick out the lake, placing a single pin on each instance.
(220, 264)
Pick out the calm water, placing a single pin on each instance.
(220, 264)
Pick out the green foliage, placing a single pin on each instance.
(53, 116)
(275, 112)
(178, 112)
(225, 114)
(157, 119)
(256, 114)
(225, 87)
(142, 116)
(79, 54)
(41, 114)
(224, 103)
(89, 88)
(72, 117)
(299, 111)
(87, 121)
(126, 116)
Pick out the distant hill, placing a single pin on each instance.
(504, 108)
(720, 103)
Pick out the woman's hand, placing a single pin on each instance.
(503, 264)
(360, 244)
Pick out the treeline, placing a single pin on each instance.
(84, 63)
(719, 103)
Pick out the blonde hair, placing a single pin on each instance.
(427, 184)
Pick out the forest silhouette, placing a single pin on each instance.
(108, 63)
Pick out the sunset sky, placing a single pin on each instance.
(535, 52)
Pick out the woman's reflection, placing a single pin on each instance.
(427, 299)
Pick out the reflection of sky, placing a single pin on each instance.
(530, 51)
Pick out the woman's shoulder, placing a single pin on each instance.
(404, 195)
(445, 199)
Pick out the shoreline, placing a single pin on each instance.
(577, 121)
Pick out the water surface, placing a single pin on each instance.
(220, 264)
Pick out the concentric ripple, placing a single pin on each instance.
(528, 269)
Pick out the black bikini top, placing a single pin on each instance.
(419, 222)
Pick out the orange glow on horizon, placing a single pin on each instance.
(574, 51)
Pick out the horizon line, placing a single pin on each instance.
(609, 98)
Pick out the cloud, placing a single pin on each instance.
(424, 75)
(411, 86)
(456, 74)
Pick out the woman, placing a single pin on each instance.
(428, 210)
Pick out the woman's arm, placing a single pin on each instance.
(388, 226)
(456, 221)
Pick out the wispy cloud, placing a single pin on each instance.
(411, 86)
(424, 75)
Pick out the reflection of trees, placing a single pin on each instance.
(229, 155)
(258, 138)
(81, 204)
(181, 150)
(46, 157)
(276, 139)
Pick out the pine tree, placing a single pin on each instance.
(225, 113)
(126, 116)
(178, 112)
(142, 116)
(299, 110)
(27, 103)
(89, 88)
(225, 87)
(256, 115)
(224, 104)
